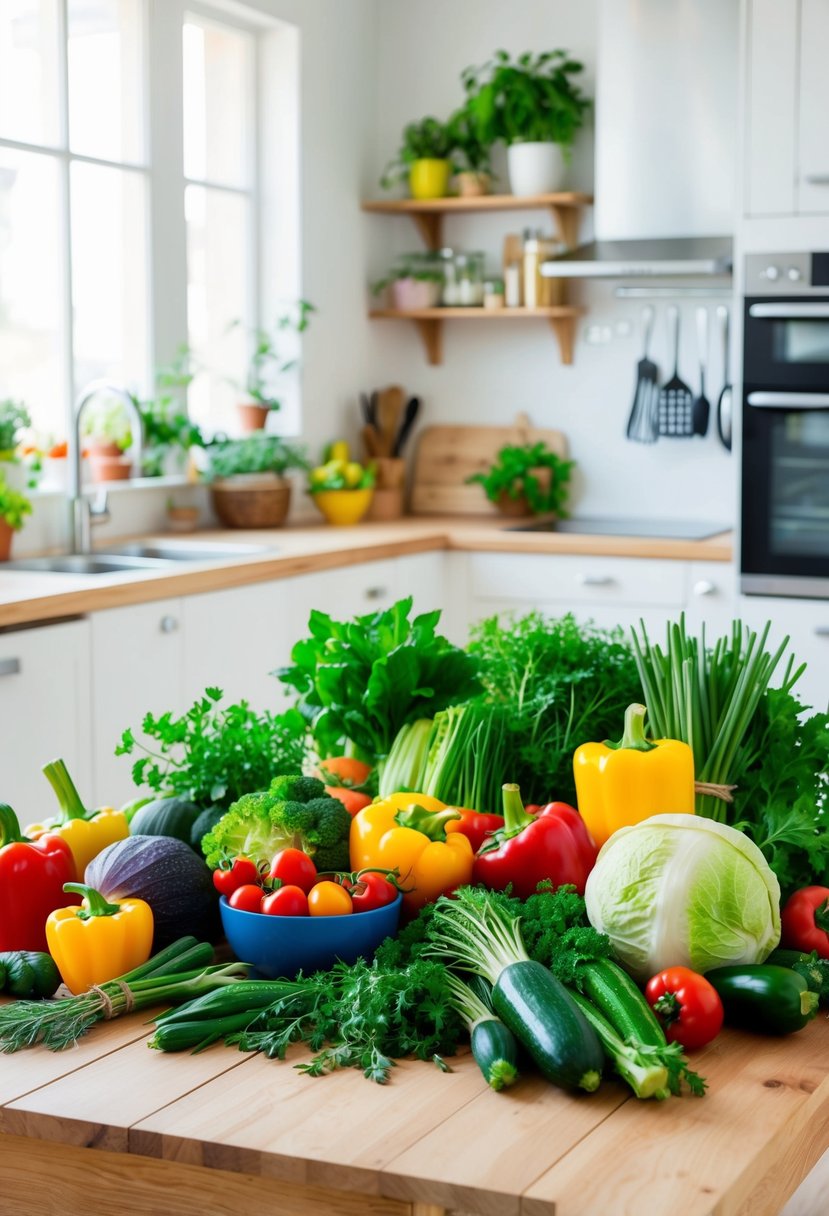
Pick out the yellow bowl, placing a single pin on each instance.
(343, 507)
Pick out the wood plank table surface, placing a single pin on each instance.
(113, 1127)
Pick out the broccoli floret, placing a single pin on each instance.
(294, 813)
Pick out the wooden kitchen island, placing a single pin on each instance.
(113, 1127)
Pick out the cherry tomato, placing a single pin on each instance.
(247, 898)
(329, 899)
(687, 1006)
(229, 877)
(352, 800)
(372, 891)
(294, 869)
(287, 901)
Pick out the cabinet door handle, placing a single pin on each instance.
(822, 631)
(596, 580)
(817, 179)
(704, 587)
(9, 667)
(376, 593)
(168, 624)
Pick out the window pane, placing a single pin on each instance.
(31, 296)
(29, 71)
(218, 80)
(218, 294)
(110, 286)
(106, 79)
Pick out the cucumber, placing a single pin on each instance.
(496, 1053)
(545, 1019)
(767, 999)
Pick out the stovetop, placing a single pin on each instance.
(662, 529)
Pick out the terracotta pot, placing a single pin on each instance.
(182, 519)
(101, 447)
(513, 507)
(252, 500)
(252, 417)
(472, 184)
(6, 535)
(110, 468)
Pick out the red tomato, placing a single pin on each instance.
(329, 899)
(287, 901)
(687, 1006)
(247, 898)
(372, 890)
(352, 800)
(350, 772)
(229, 877)
(805, 921)
(294, 869)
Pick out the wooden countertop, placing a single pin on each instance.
(224, 1128)
(26, 597)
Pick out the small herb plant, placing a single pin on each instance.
(268, 362)
(213, 753)
(515, 475)
(420, 266)
(532, 99)
(167, 426)
(472, 151)
(106, 421)
(428, 139)
(14, 506)
(257, 453)
(13, 418)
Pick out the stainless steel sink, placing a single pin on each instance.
(185, 551)
(87, 563)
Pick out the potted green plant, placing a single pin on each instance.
(473, 171)
(169, 433)
(267, 364)
(247, 479)
(14, 507)
(107, 437)
(415, 281)
(533, 106)
(423, 159)
(527, 479)
(13, 418)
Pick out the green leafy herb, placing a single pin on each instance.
(214, 754)
(257, 453)
(359, 681)
(13, 418)
(14, 506)
(533, 98)
(531, 471)
(428, 139)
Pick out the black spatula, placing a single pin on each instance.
(676, 401)
(702, 406)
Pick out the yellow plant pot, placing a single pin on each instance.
(343, 507)
(430, 178)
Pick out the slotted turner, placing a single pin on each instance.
(676, 401)
(641, 421)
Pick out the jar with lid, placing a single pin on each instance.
(494, 293)
(450, 296)
(469, 269)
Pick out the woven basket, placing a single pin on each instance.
(257, 502)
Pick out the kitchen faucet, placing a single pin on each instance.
(83, 513)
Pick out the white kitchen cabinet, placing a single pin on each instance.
(137, 666)
(711, 597)
(45, 712)
(813, 133)
(806, 622)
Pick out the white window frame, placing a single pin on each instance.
(162, 168)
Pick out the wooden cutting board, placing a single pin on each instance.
(447, 455)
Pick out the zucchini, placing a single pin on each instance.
(635, 1064)
(545, 1019)
(813, 968)
(620, 1002)
(496, 1053)
(764, 998)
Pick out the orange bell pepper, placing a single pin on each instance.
(407, 833)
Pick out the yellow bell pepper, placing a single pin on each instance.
(618, 784)
(407, 833)
(98, 941)
(86, 832)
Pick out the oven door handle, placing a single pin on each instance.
(787, 312)
(788, 401)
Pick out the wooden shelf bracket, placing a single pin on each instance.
(566, 220)
(564, 329)
(430, 226)
(431, 333)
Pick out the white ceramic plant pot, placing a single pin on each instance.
(535, 168)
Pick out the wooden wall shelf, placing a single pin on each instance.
(429, 322)
(427, 214)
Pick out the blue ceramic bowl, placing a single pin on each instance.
(280, 946)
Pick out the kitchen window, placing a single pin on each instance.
(131, 187)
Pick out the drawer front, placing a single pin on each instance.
(568, 580)
(806, 623)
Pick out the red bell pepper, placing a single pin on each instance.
(476, 826)
(553, 844)
(805, 921)
(32, 874)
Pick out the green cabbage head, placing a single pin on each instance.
(682, 890)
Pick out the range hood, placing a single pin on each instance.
(654, 258)
(665, 142)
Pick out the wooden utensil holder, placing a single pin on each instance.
(388, 501)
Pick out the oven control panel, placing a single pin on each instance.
(787, 274)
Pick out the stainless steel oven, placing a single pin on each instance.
(784, 548)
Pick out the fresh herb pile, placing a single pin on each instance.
(358, 682)
(213, 754)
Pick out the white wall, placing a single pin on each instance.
(491, 372)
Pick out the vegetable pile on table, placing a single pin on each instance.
(589, 838)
